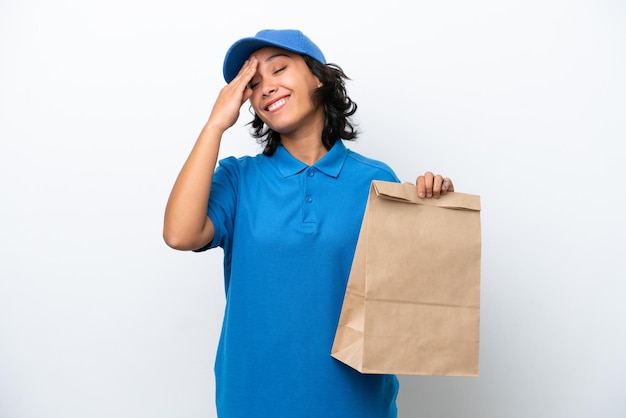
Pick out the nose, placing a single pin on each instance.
(268, 89)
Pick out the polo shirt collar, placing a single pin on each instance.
(330, 164)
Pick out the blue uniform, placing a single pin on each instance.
(289, 232)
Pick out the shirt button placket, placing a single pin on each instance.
(308, 197)
(309, 212)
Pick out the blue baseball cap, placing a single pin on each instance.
(289, 39)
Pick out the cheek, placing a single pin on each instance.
(257, 110)
(255, 99)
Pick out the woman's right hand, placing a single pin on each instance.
(226, 109)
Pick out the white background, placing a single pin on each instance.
(521, 102)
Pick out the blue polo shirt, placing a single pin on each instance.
(289, 231)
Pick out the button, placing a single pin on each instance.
(308, 198)
(311, 172)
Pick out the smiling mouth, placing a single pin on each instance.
(276, 105)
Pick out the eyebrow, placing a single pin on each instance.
(280, 54)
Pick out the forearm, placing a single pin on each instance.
(186, 225)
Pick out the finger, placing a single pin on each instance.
(449, 185)
(438, 182)
(421, 186)
(245, 74)
(428, 183)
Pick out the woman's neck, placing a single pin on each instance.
(306, 145)
(307, 151)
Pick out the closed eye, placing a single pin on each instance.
(252, 85)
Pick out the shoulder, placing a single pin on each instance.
(240, 164)
(233, 170)
(371, 164)
(233, 161)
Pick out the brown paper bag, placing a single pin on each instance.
(412, 303)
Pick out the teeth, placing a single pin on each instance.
(277, 104)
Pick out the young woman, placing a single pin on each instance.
(288, 220)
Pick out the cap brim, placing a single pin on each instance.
(238, 53)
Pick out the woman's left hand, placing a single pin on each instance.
(433, 185)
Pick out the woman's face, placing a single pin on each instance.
(281, 92)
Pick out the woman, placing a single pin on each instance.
(288, 220)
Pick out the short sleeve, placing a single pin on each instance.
(222, 203)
